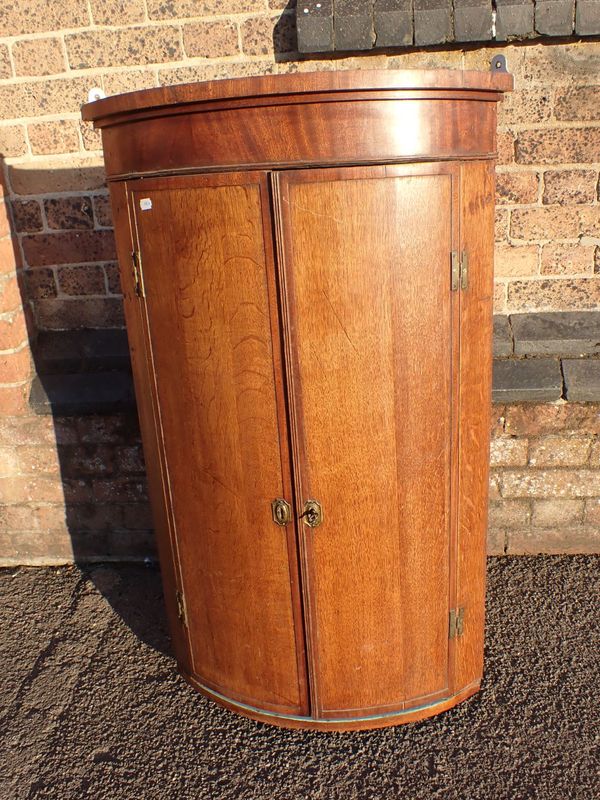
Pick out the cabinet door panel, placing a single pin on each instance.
(208, 279)
(366, 273)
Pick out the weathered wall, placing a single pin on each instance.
(57, 270)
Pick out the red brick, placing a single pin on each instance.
(494, 487)
(177, 9)
(41, 97)
(577, 103)
(211, 39)
(553, 541)
(589, 221)
(24, 489)
(35, 16)
(508, 452)
(509, 514)
(27, 215)
(76, 175)
(117, 12)
(123, 47)
(109, 429)
(137, 516)
(574, 294)
(511, 261)
(567, 259)
(95, 517)
(10, 294)
(9, 462)
(506, 148)
(9, 256)
(130, 460)
(12, 139)
(38, 459)
(13, 331)
(102, 211)
(595, 454)
(120, 490)
(14, 400)
(559, 451)
(524, 105)
(113, 279)
(516, 187)
(558, 146)
(18, 518)
(90, 459)
(540, 419)
(551, 483)
(50, 517)
(264, 36)
(77, 491)
(550, 513)
(568, 186)
(5, 220)
(91, 137)
(77, 313)
(69, 213)
(544, 223)
(592, 511)
(68, 247)
(81, 280)
(15, 367)
(496, 542)
(40, 283)
(499, 297)
(26, 430)
(501, 225)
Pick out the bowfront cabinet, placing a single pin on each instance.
(306, 263)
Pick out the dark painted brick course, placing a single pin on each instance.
(557, 333)
(528, 380)
(582, 379)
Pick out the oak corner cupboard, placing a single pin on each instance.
(306, 262)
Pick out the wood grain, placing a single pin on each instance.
(371, 328)
(205, 277)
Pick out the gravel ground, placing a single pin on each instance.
(92, 706)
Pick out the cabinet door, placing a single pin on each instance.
(371, 327)
(213, 334)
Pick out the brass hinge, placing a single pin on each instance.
(180, 607)
(138, 278)
(459, 270)
(456, 622)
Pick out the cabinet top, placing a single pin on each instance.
(273, 89)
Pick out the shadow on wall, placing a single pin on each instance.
(78, 458)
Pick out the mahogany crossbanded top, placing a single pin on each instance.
(270, 86)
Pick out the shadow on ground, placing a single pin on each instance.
(93, 708)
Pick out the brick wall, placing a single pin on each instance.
(75, 496)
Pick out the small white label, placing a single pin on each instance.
(145, 204)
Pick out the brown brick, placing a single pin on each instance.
(516, 187)
(49, 517)
(595, 454)
(74, 175)
(59, 136)
(589, 221)
(210, 72)
(540, 419)
(69, 213)
(12, 140)
(576, 539)
(511, 261)
(38, 460)
(92, 138)
(509, 514)
(71, 247)
(567, 259)
(524, 105)
(263, 36)
(496, 542)
(120, 490)
(130, 460)
(113, 279)
(117, 12)
(65, 431)
(13, 331)
(40, 283)
(77, 491)
(177, 9)
(14, 400)
(553, 63)
(17, 517)
(497, 421)
(15, 367)
(577, 103)
(559, 146)
(501, 224)
(81, 280)
(137, 516)
(23, 489)
(506, 147)
(574, 294)
(559, 451)
(88, 459)
(570, 186)
(9, 462)
(129, 80)
(211, 39)
(544, 223)
(38, 57)
(548, 513)
(5, 68)
(27, 216)
(36, 98)
(102, 211)
(551, 483)
(592, 511)
(109, 429)
(10, 294)
(128, 46)
(499, 297)
(5, 219)
(36, 16)
(75, 313)
(494, 487)
(508, 452)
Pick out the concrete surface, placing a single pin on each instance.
(92, 706)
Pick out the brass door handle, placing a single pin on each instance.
(282, 511)
(312, 513)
